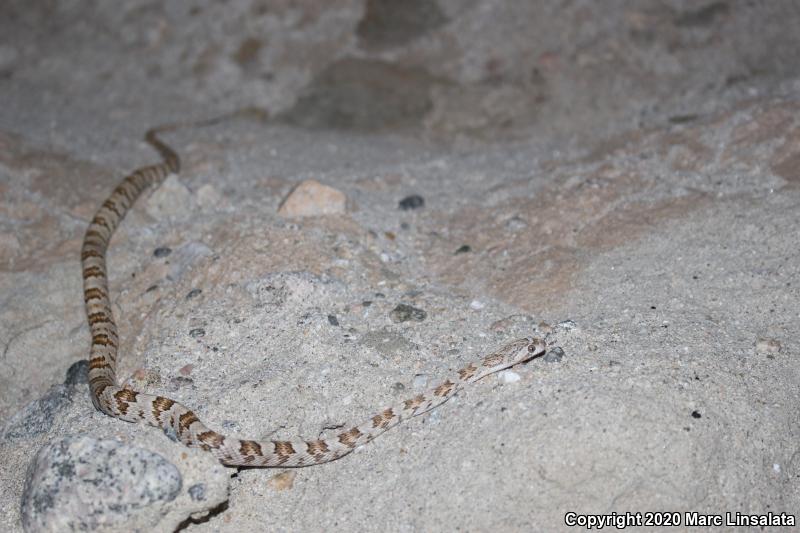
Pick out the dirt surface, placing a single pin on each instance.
(623, 177)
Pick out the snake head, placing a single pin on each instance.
(536, 347)
(521, 350)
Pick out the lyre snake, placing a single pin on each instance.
(172, 417)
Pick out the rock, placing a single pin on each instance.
(37, 417)
(555, 355)
(311, 198)
(768, 346)
(509, 376)
(282, 481)
(80, 483)
(476, 305)
(197, 492)
(162, 251)
(405, 312)
(566, 325)
(413, 201)
(77, 373)
(516, 223)
(193, 293)
(171, 199)
(387, 343)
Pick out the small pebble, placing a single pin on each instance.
(197, 332)
(162, 251)
(332, 320)
(282, 481)
(311, 198)
(555, 355)
(544, 327)
(405, 312)
(477, 305)
(413, 201)
(509, 376)
(194, 293)
(171, 434)
(696, 414)
(420, 381)
(186, 369)
(464, 249)
(567, 325)
(198, 492)
(516, 223)
(178, 382)
(769, 346)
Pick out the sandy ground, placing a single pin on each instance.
(624, 178)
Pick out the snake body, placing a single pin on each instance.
(182, 423)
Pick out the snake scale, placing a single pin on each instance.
(177, 420)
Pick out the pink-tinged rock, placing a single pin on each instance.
(311, 198)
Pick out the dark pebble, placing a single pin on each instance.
(193, 293)
(405, 312)
(180, 381)
(197, 332)
(366, 303)
(151, 288)
(78, 373)
(170, 433)
(464, 249)
(696, 414)
(555, 355)
(162, 251)
(414, 201)
(682, 119)
(332, 320)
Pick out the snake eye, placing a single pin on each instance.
(531, 347)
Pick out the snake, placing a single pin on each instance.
(181, 423)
